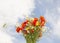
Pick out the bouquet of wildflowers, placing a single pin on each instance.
(32, 29)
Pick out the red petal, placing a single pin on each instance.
(18, 29)
(42, 23)
(24, 24)
(34, 22)
(42, 18)
(35, 19)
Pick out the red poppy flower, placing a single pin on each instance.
(34, 21)
(18, 29)
(42, 23)
(24, 24)
(42, 20)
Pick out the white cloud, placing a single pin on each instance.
(49, 1)
(5, 38)
(58, 9)
(54, 19)
(10, 11)
(56, 27)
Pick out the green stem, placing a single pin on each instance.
(30, 41)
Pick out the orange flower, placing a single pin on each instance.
(34, 21)
(24, 24)
(42, 20)
(19, 29)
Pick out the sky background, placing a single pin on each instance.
(13, 12)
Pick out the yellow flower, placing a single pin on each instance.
(27, 28)
(37, 23)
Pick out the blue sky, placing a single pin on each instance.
(14, 11)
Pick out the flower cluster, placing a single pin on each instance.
(32, 27)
